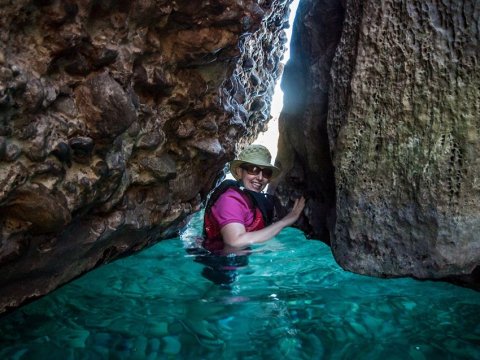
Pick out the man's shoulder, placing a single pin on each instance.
(234, 193)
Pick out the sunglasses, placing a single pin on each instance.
(255, 170)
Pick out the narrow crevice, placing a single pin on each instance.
(303, 151)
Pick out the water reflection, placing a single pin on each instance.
(288, 300)
(220, 268)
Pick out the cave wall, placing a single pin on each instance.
(403, 135)
(116, 120)
(303, 146)
(404, 132)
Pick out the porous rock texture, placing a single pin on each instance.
(402, 122)
(116, 120)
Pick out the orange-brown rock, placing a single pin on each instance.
(116, 120)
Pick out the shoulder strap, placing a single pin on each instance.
(219, 190)
(213, 197)
(264, 202)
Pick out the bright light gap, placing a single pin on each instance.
(270, 137)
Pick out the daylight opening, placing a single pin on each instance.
(269, 138)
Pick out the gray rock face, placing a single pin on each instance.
(402, 123)
(404, 132)
(116, 119)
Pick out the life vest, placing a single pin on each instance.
(263, 216)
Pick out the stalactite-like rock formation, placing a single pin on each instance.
(403, 129)
(116, 119)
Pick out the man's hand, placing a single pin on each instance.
(294, 214)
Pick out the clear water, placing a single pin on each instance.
(291, 301)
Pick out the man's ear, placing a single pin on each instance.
(238, 172)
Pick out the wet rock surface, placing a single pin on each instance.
(116, 120)
(402, 124)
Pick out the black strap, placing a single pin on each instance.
(264, 202)
(219, 190)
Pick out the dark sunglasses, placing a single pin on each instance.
(255, 170)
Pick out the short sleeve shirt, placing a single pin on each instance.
(232, 207)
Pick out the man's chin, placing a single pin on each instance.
(257, 188)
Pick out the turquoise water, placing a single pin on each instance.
(291, 301)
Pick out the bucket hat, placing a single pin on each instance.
(255, 155)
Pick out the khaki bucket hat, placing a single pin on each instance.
(255, 155)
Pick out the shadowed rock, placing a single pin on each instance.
(389, 158)
(40, 211)
(107, 108)
(115, 124)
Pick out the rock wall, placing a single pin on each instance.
(116, 120)
(403, 133)
(303, 147)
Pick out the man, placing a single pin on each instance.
(238, 214)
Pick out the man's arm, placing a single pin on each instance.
(235, 234)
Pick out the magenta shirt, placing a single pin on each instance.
(232, 207)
